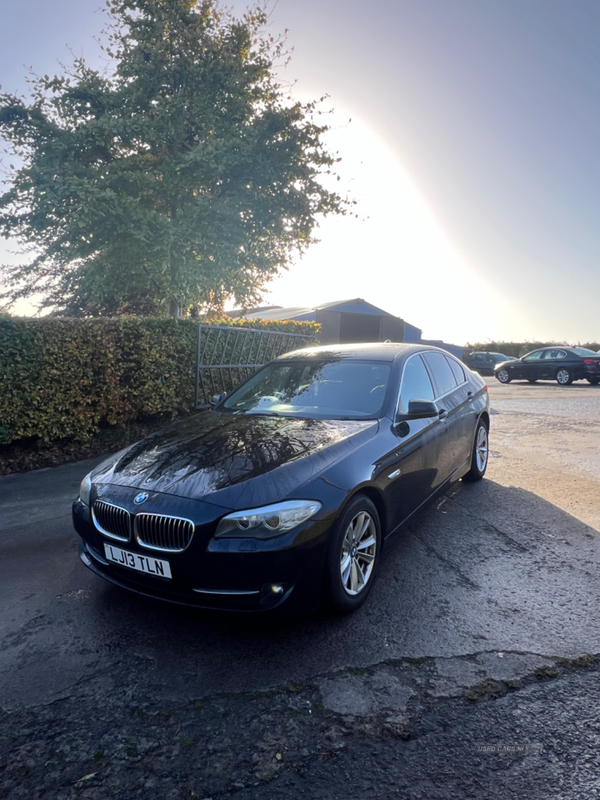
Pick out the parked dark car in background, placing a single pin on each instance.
(562, 364)
(484, 362)
(287, 489)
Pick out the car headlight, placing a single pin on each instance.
(85, 489)
(262, 523)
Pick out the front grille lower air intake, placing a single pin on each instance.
(112, 520)
(159, 532)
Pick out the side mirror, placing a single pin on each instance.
(422, 409)
(217, 398)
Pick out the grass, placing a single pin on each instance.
(486, 690)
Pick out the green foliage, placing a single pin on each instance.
(180, 176)
(63, 378)
(519, 349)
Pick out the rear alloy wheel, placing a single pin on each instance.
(503, 376)
(353, 555)
(480, 454)
(564, 377)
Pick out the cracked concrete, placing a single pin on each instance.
(365, 695)
(241, 743)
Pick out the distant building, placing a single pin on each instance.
(345, 321)
(455, 349)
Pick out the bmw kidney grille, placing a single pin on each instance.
(112, 520)
(163, 533)
(154, 531)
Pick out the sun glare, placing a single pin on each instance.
(394, 254)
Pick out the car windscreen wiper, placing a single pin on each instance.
(260, 412)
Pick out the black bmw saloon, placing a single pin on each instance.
(284, 493)
(562, 364)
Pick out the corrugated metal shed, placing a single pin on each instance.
(278, 314)
(355, 306)
(454, 349)
(353, 320)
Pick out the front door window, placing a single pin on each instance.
(533, 357)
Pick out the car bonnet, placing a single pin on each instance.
(230, 459)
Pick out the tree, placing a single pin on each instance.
(183, 177)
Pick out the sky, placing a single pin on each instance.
(469, 133)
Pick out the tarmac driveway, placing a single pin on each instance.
(498, 584)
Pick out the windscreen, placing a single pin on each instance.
(339, 389)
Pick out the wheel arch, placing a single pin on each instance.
(485, 417)
(570, 375)
(376, 497)
(329, 583)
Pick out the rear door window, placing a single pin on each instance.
(458, 371)
(443, 376)
(554, 355)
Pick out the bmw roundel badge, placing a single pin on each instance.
(140, 498)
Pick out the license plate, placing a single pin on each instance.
(146, 564)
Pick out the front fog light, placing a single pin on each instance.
(267, 521)
(272, 592)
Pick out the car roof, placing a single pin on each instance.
(372, 351)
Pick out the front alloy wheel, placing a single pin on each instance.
(359, 549)
(353, 555)
(564, 377)
(503, 376)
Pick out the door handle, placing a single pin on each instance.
(443, 413)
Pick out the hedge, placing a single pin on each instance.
(519, 349)
(64, 378)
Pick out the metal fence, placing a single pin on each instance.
(227, 356)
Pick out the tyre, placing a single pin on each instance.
(480, 453)
(353, 556)
(594, 381)
(563, 376)
(503, 376)
(531, 380)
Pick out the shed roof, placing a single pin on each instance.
(279, 313)
(355, 306)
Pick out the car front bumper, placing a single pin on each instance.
(223, 574)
